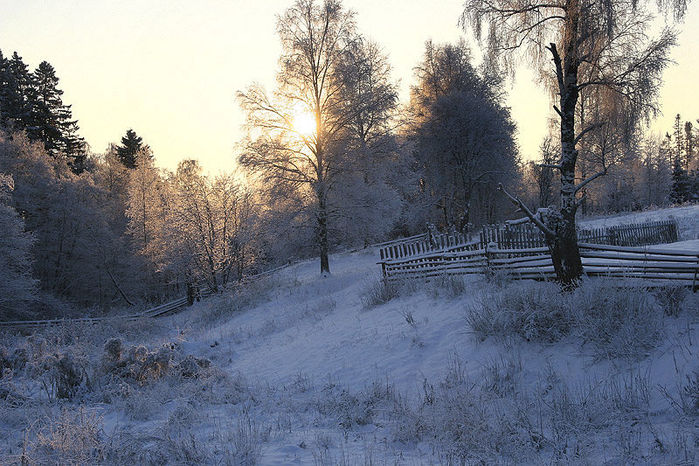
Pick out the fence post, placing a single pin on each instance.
(489, 272)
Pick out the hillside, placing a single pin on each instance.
(306, 370)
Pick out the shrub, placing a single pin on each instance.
(74, 437)
(61, 375)
(671, 298)
(449, 285)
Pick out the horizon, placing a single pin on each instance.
(170, 70)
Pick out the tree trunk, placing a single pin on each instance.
(565, 255)
(323, 232)
(564, 245)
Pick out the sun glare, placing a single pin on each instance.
(304, 123)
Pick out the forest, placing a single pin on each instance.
(332, 159)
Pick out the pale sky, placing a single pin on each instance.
(170, 69)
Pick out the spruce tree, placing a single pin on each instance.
(15, 82)
(131, 143)
(48, 114)
(681, 184)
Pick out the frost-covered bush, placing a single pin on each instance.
(480, 421)
(354, 409)
(62, 375)
(534, 311)
(72, 437)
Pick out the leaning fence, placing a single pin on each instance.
(655, 264)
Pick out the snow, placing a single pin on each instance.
(307, 333)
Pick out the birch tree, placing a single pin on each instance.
(592, 44)
(296, 133)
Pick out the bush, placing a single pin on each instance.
(74, 437)
(449, 285)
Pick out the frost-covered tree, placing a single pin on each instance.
(191, 227)
(17, 287)
(76, 248)
(297, 136)
(144, 200)
(463, 135)
(364, 203)
(592, 44)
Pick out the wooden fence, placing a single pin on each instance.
(681, 267)
(157, 311)
(527, 235)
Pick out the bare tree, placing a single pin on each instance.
(288, 150)
(17, 288)
(593, 44)
(323, 136)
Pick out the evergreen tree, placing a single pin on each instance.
(48, 114)
(689, 144)
(131, 144)
(681, 184)
(679, 144)
(15, 82)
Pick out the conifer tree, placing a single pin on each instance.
(15, 82)
(50, 121)
(131, 144)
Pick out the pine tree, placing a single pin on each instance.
(689, 144)
(679, 144)
(47, 110)
(131, 144)
(681, 184)
(15, 82)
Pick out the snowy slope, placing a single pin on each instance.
(305, 353)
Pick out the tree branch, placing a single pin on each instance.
(590, 179)
(537, 221)
(587, 130)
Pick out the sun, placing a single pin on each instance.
(304, 122)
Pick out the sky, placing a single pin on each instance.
(170, 69)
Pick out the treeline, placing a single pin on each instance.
(331, 159)
(651, 171)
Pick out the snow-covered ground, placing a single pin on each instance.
(306, 372)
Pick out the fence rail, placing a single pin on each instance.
(157, 311)
(535, 263)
